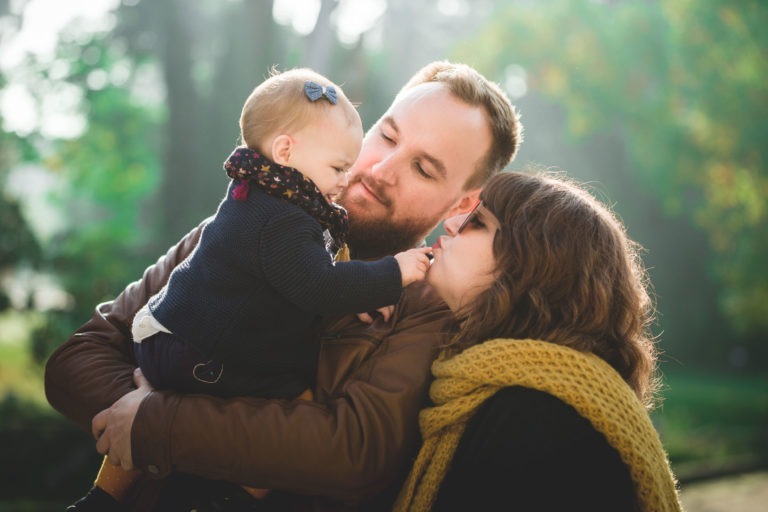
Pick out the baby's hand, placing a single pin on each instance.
(386, 313)
(414, 264)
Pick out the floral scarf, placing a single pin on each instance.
(291, 185)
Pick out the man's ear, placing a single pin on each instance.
(465, 203)
(281, 149)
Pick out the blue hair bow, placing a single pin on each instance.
(315, 91)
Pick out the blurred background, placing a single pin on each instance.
(116, 117)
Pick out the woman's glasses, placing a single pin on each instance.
(471, 216)
(474, 214)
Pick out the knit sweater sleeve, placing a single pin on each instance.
(527, 450)
(295, 262)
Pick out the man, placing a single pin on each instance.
(446, 132)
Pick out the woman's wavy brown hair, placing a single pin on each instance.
(567, 274)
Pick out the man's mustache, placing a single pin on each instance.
(373, 186)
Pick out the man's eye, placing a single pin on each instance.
(386, 137)
(422, 172)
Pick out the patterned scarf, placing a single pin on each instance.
(290, 185)
(584, 381)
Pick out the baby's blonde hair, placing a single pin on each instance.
(279, 104)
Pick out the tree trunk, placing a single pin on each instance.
(181, 189)
(319, 43)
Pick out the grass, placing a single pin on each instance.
(710, 420)
(20, 375)
(45, 457)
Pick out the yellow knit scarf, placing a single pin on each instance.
(584, 381)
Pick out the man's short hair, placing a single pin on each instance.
(470, 86)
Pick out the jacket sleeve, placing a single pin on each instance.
(295, 262)
(348, 448)
(94, 368)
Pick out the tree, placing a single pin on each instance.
(682, 87)
(18, 243)
(104, 173)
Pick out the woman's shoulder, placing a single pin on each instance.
(525, 407)
(534, 421)
(537, 424)
(532, 448)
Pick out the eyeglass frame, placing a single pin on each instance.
(478, 208)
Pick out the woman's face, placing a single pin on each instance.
(463, 264)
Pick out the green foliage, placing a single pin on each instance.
(107, 175)
(17, 242)
(110, 172)
(684, 87)
(711, 420)
(55, 327)
(20, 376)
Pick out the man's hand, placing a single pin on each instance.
(385, 312)
(112, 427)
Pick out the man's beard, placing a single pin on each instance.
(374, 238)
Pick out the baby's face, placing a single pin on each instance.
(325, 150)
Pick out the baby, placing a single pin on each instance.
(236, 317)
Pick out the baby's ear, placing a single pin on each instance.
(281, 149)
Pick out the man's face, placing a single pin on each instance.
(412, 169)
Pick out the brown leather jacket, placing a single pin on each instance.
(353, 441)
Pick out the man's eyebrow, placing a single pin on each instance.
(436, 162)
(391, 122)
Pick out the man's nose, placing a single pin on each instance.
(451, 224)
(385, 170)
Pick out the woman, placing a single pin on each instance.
(540, 399)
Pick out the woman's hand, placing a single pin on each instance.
(112, 427)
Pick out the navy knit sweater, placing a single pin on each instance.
(259, 277)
